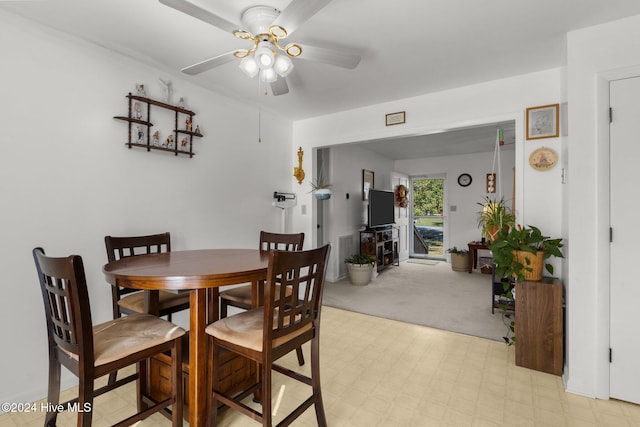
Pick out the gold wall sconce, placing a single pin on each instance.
(297, 171)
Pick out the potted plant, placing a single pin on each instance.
(521, 252)
(360, 267)
(321, 190)
(494, 216)
(459, 259)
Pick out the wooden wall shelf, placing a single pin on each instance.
(177, 147)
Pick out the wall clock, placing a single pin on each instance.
(543, 159)
(464, 180)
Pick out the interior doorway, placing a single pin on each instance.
(427, 217)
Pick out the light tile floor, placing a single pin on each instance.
(378, 372)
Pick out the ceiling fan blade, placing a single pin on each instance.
(208, 64)
(201, 14)
(329, 56)
(279, 87)
(298, 12)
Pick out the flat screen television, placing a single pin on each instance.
(381, 208)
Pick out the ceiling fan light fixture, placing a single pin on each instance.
(283, 65)
(264, 55)
(293, 49)
(249, 66)
(277, 32)
(268, 76)
(243, 35)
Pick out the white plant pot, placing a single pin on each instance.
(360, 274)
(323, 194)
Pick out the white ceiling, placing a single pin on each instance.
(408, 47)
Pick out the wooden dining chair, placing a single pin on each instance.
(90, 352)
(129, 301)
(267, 333)
(240, 296)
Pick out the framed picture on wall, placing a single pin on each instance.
(543, 121)
(367, 183)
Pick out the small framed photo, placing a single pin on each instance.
(395, 118)
(543, 121)
(367, 183)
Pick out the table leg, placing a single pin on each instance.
(198, 395)
(472, 255)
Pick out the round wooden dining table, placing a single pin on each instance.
(202, 272)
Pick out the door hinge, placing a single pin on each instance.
(610, 115)
(610, 234)
(610, 355)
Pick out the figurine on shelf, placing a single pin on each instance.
(184, 143)
(140, 90)
(187, 123)
(197, 130)
(169, 142)
(137, 111)
(156, 138)
(140, 134)
(181, 103)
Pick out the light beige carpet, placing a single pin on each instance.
(423, 294)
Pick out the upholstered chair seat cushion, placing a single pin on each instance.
(245, 330)
(242, 294)
(117, 338)
(166, 300)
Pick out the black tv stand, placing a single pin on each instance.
(381, 243)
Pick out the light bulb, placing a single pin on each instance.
(264, 55)
(249, 66)
(283, 65)
(268, 75)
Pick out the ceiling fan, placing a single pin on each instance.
(266, 27)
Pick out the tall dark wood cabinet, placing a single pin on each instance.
(539, 325)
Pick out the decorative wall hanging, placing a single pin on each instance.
(491, 183)
(178, 140)
(402, 200)
(542, 122)
(297, 171)
(543, 159)
(367, 183)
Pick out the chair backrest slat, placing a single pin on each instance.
(304, 273)
(281, 242)
(66, 302)
(124, 247)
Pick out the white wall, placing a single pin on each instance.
(461, 226)
(494, 101)
(67, 180)
(595, 55)
(347, 216)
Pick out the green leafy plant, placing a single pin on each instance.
(455, 250)
(495, 215)
(361, 259)
(318, 185)
(528, 239)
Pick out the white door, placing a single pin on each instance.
(402, 216)
(625, 216)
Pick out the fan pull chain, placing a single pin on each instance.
(259, 126)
